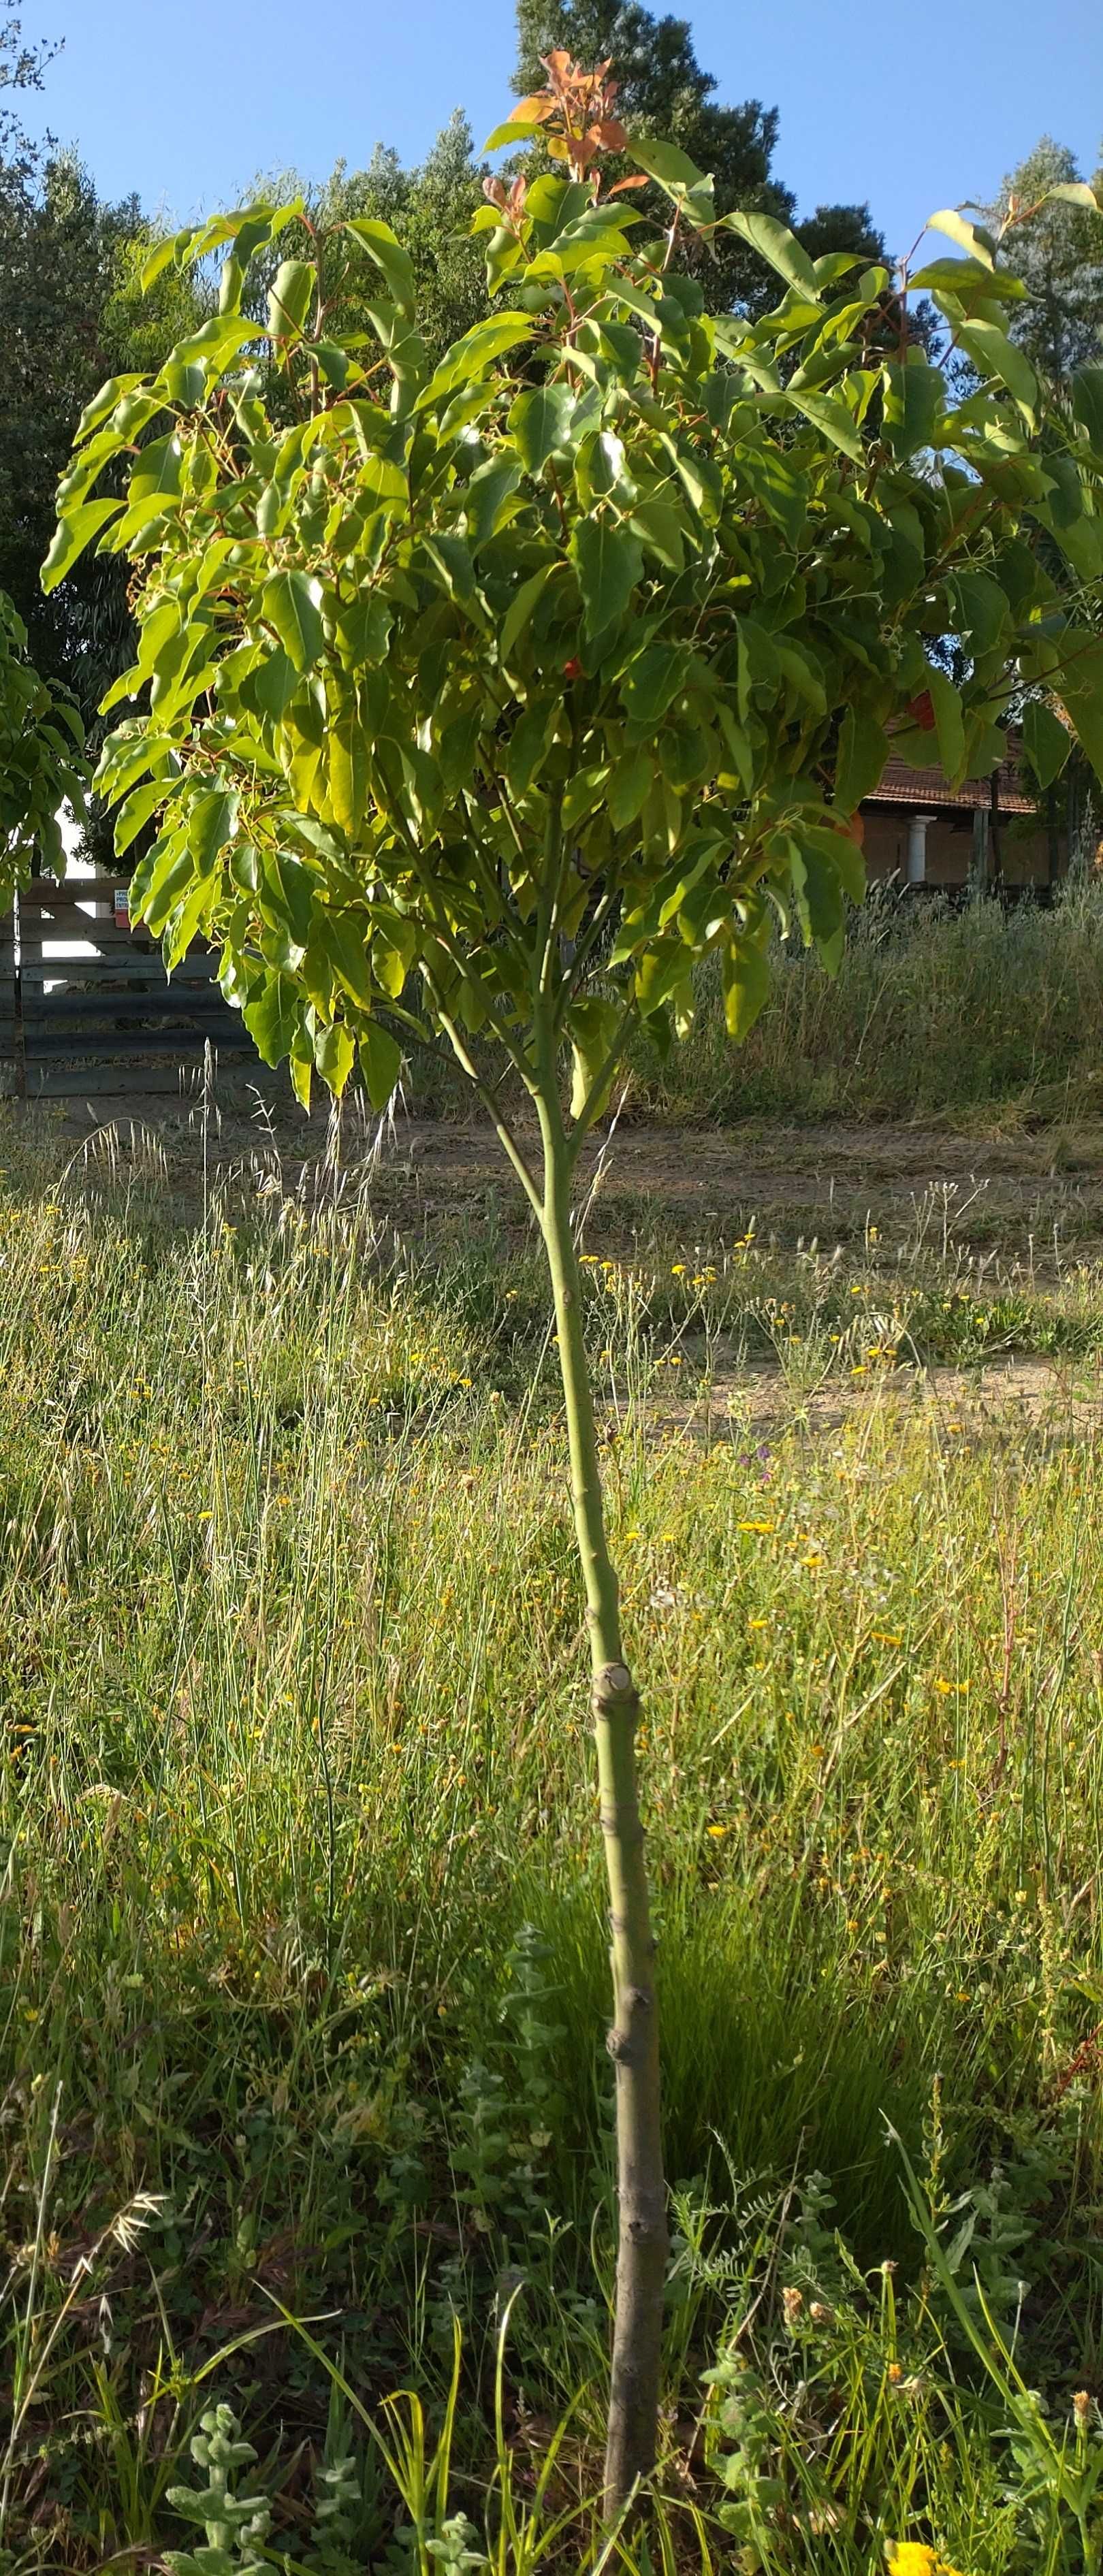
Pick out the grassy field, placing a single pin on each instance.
(301, 1953)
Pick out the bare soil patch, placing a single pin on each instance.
(1040, 1192)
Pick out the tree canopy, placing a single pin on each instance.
(1059, 258)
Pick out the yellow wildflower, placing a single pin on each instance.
(913, 2558)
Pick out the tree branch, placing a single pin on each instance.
(506, 1137)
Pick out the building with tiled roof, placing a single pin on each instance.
(928, 833)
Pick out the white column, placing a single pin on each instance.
(917, 847)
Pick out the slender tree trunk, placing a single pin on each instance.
(633, 2039)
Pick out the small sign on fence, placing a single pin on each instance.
(122, 907)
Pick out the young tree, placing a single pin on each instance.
(489, 697)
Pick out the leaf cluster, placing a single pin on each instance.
(493, 694)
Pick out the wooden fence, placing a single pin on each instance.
(102, 1016)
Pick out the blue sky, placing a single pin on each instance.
(913, 108)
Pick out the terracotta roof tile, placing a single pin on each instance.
(902, 785)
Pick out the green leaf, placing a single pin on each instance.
(540, 422)
(212, 821)
(272, 685)
(982, 610)
(350, 771)
(363, 627)
(628, 785)
(1087, 402)
(662, 531)
(291, 603)
(949, 725)
(273, 1016)
(592, 1027)
(171, 878)
(842, 854)
(157, 470)
(584, 792)
(102, 405)
(489, 489)
(652, 680)
(609, 563)
(969, 280)
(1076, 192)
(290, 298)
(521, 608)
(746, 972)
(993, 354)
(701, 478)
(335, 1055)
(863, 751)
(343, 938)
(1082, 691)
(664, 162)
(286, 894)
(777, 486)
(1047, 741)
(527, 746)
(211, 346)
(522, 129)
(827, 413)
(470, 356)
(137, 811)
(972, 238)
(383, 246)
(776, 244)
(381, 1063)
(915, 399)
(451, 556)
(72, 535)
(817, 894)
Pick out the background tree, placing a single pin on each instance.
(490, 696)
(662, 89)
(1059, 258)
(22, 67)
(41, 764)
(1059, 323)
(429, 207)
(67, 272)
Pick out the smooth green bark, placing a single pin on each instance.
(633, 2039)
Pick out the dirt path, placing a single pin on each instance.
(826, 1180)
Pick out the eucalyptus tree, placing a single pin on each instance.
(489, 696)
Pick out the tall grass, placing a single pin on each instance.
(933, 1010)
(301, 1954)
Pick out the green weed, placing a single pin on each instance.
(302, 1988)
